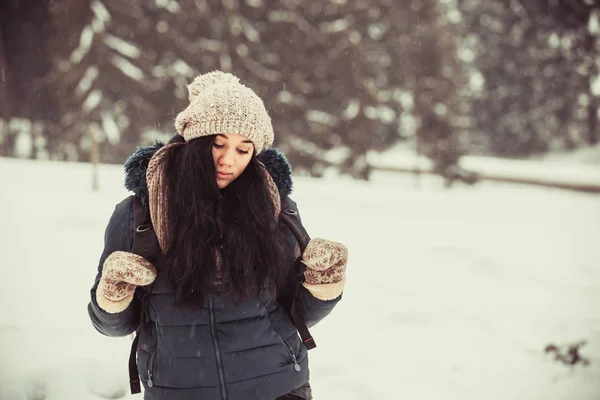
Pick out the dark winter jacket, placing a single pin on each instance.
(248, 351)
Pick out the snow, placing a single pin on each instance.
(92, 101)
(85, 83)
(209, 44)
(352, 110)
(336, 26)
(182, 68)
(170, 5)
(376, 31)
(255, 3)
(110, 127)
(567, 168)
(122, 46)
(258, 69)
(97, 25)
(594, 23)
(595, 86)
(100, 12)
(127, 68)
(450, 294)
(85, 43)
(250, 32)
(291, 17)
(555, 172)
(321, 117)
(587, 154)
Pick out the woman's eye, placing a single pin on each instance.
(218, 146)
(243, 151)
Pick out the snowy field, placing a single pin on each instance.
(452, 295)
(581, 166)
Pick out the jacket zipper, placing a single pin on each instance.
(151, 362)
(145, 320)
(213, 331)
(293, 357)
(150, 368)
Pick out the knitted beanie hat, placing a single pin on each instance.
(219, 103)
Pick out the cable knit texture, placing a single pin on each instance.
(156, 180)
(325, 274)
(122, 272)
(273, 191)
(219, 103)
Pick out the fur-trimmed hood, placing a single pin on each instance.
(137, 164)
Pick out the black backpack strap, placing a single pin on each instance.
(145, 241)
(145, 244)
(291, 218)
(134, 377)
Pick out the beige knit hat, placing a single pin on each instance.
(219, 103)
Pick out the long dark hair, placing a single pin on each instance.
(238, 220)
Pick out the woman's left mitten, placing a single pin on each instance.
(325, 273)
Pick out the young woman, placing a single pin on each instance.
(205, 309)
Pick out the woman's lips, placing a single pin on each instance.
(222, 174)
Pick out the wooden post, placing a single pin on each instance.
(94, 159)
(417, 158)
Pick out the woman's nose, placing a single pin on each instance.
(226, 158)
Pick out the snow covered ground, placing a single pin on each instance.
(451, 294)
(584, 155)
(579, 167)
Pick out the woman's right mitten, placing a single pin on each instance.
(122, 272)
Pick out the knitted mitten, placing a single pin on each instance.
(325, 273)
(122, 272)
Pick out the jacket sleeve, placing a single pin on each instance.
(118, 236)
(311, 309)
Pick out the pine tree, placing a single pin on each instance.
(536, 61)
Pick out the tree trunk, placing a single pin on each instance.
(6, 139)
(594, 106)
(25, 58)
(95, 159)
(594, 100)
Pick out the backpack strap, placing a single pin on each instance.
(145, 241)
(291, 218)
(134, 377)
(145, 244)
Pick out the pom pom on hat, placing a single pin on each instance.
(201, 82)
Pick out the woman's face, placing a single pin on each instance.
(232, 154)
